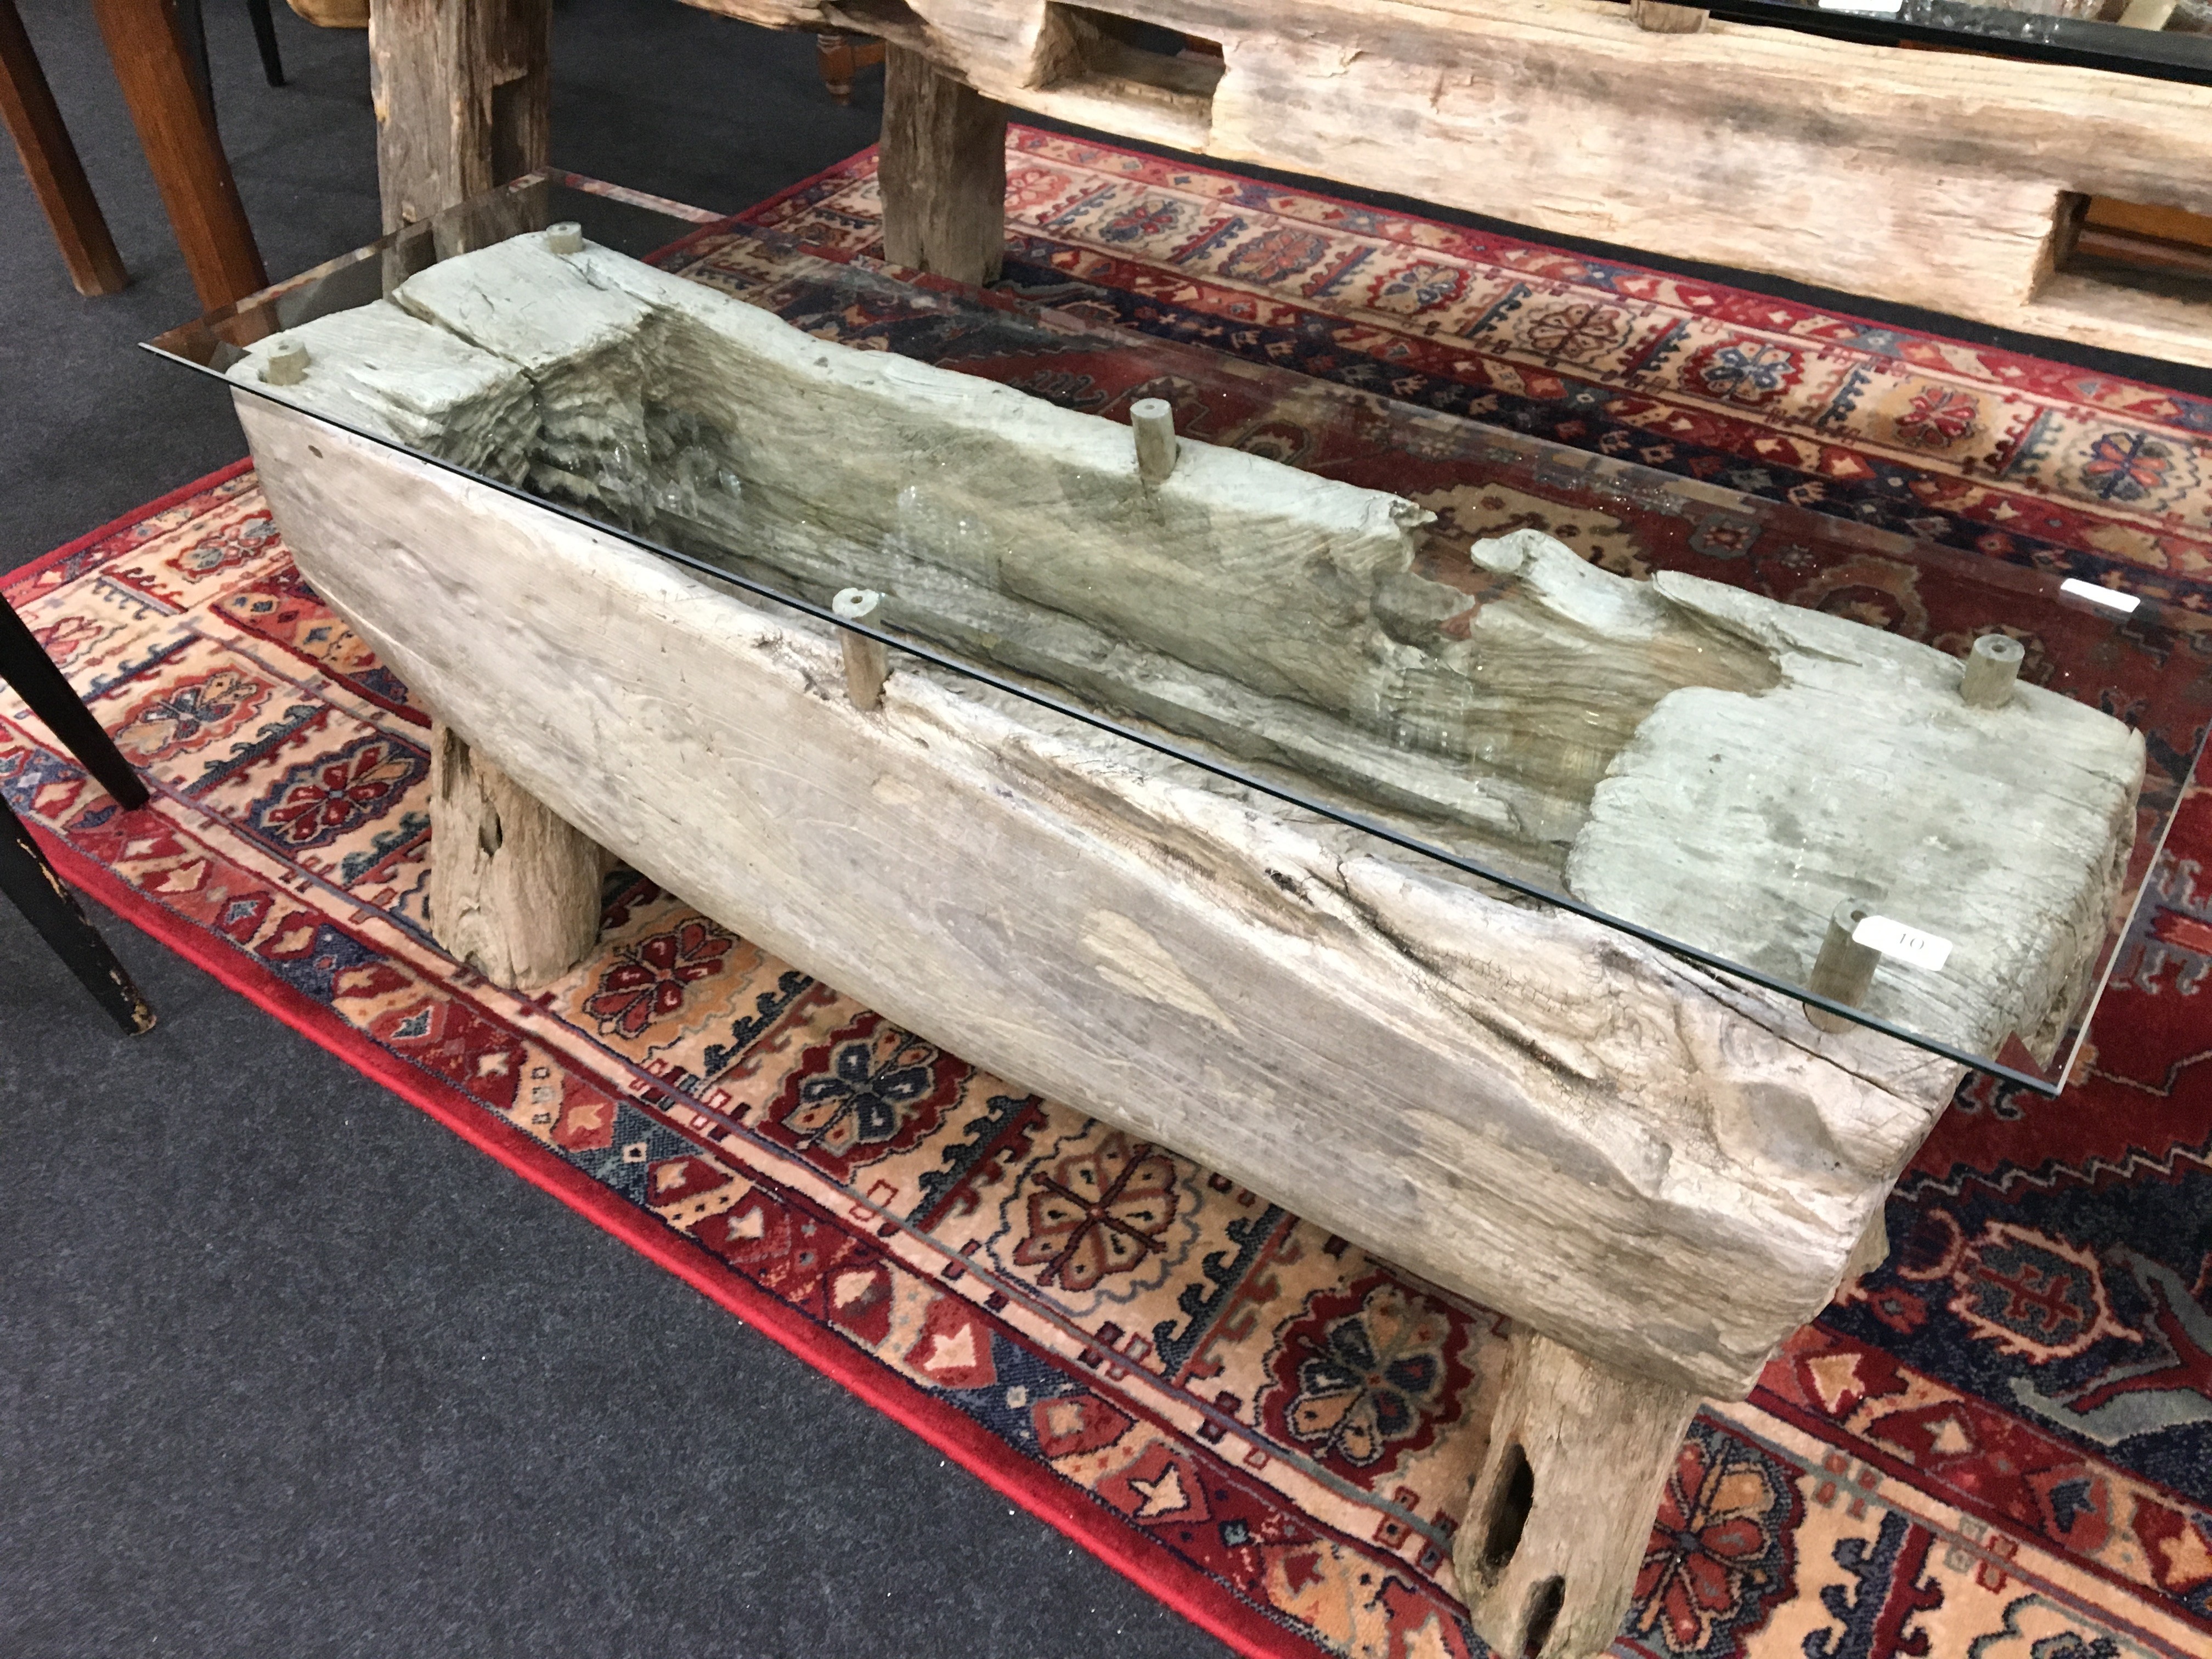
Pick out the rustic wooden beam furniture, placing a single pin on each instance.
(1658, 1182)
(1656, 1169)
(1946, 180)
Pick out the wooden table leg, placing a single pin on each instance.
(463, 92)
(515, 891)
(833, 58)
(838, 57)
(176, 128)
(33, 120)
(30, 883)
(463, 95)
(1561, 1513)
(943, 173)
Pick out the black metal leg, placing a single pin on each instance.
(264, 36)
(30, 882)
(26, 667)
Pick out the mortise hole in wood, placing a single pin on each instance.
(1083, 48)
(1508, 1511)
(1544, 1604)
(2143, 246)
(512, 148)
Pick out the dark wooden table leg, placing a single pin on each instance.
(26, 104)
(833, 56)
(26, 667)
(31, 884)
(943, 171)
(176, 128)
(841, 56)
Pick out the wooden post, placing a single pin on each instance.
(943, 173)
(462, 89)
(2146, 13)
(176, 128)
(1561, 1513)
(27, 105)
(515, 892)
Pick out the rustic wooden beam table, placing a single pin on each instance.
(1568, 1124)
(1948, 181)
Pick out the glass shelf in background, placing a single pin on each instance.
(2100, 635)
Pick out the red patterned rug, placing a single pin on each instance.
(2001, 1447)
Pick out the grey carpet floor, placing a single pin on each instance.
(285, 1368)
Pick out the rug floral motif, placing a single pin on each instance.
(1999, 1445)
(1958, 444)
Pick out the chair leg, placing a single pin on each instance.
(833, 56)
(24, 665)
(30, 883)
(28, 107)
(840, 56)
(192, 24)
(176, 129)
(264, 37)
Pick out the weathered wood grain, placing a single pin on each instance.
(943, 173)
(462, 91)
(1928, 179)
(1560, 1516)
(1621, 1152)
(1714, 765)
(515, 892)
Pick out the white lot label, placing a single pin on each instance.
(1908, 944)
(2107, 597)
(1875, 8)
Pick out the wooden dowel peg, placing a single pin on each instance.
(287, 363)
(867, 662)
(1656, 18)
(567, 237)
(942, 170)
(1844, 971)
(1152, 421)
(2148, 14)
(1992, 667)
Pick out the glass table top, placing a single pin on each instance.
(1737, 728)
